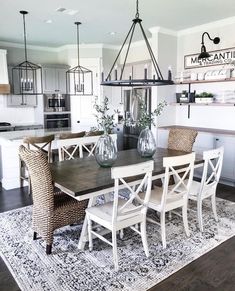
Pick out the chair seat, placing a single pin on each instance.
(195, 190)
(156, 198)
(67, 209)
(104, 212)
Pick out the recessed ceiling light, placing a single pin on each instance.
(71, 12)
(113, 33)
(67, 11)
(48, 21)
(60, 9)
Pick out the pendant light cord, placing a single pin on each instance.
(137, 9)
(77, 23)
(25, 46)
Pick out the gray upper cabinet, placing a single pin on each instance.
(54, 79)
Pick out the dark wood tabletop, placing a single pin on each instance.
(82, 176)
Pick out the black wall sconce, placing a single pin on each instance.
(204, 54)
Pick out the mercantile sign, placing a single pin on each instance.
(218, 57)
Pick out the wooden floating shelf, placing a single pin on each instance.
(204, 81)
(202, 104)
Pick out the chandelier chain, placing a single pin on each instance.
(137, 9)
(25, 42)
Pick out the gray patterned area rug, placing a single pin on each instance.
(70, 269)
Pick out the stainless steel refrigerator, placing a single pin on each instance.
(132, 99)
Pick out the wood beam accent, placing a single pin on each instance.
(5, 89)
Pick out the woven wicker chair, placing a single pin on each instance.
(181, 139)
(51, 210)
(35, 142)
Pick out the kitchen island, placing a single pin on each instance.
(9, 146)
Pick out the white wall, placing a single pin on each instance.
(189, 42)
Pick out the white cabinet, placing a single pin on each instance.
(228, 168)
(54, 79)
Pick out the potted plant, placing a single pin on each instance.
(106, 150)
(146, 143)
(204, 97)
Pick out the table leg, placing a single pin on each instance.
(84, 233)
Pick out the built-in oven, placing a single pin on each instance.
(56, 102)
(57, 120)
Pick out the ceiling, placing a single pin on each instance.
(100, 17)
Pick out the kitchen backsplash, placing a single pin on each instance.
(14, 114)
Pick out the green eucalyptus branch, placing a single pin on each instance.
(147, 119)
(105, 121)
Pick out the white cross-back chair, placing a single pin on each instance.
(213, 160)
(68, 148)
(119, 213)
(169, 197)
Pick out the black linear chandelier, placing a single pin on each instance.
(79, 80)
(157, 79)
(204, 54)
(27, 76)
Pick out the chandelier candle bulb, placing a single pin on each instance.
(145, 72)
(169, 73)
(115, 73)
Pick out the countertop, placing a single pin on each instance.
(202, 129)
(15, 126)
(20, 135)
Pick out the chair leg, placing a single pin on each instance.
(170, 215)
(89, 222)
(214, 207)
(115, 255)
(144, 237)
(34, 235)
(29, 186)
(48, 249)
(199, 214)
(163, 229)
(121, 233)
(185, 219)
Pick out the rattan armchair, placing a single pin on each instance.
(51, 210)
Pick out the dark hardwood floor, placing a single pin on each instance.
(213, 271)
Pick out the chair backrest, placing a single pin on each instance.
(181, 139)
(94, 133)
(213, 160)
(40, 177)
(87, 142)
(119, 174)
(42, 143)
(72, 135)
(180, 190)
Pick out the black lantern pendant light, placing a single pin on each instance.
(204, 54)
(79, 80)
(27, 76)
(156, 80)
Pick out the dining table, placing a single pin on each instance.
(84, 178)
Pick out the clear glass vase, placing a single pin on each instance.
(146, 143)
(106, 151)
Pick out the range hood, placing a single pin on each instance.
(4, 81)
